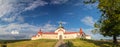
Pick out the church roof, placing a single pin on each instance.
(49, 33)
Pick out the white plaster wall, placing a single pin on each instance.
(49, 36)
(88, 37)
(70, 36)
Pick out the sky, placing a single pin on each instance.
(21, 19)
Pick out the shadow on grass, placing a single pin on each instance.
(101, 43)
(67, 44)
(63, 45)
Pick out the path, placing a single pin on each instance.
(61, 43)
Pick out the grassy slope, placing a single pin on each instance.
(89, 43)
(33, 43)
(51, 43)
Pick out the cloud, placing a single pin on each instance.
(73, 29)
(48, 27)
(35, 4)
(70, 13)
(10, 19)
(20, 29)
(91, 6)
(88, 20)
(6, 7)
(15, 32)
(63, 22)
(58, 1)
(10, 10)
(24, 29)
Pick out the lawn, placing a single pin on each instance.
(33, 43)
(88, 43)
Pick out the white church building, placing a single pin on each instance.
(60, 33)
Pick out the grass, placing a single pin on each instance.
(33, 43)
(88, 43)
(51, 43)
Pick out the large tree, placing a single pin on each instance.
(109, 23)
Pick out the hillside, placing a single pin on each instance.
(89, 43)
(51, 43)
(33, 43)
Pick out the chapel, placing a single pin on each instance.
(60, 33)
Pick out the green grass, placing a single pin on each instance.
(33, 43)
(51, 43)
(88, 43)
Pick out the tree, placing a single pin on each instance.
(109, 23)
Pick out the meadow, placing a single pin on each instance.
(32, 43)
(51, 43)
(89, 43)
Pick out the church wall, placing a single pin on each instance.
(70, 36)
(49, 36)
(88, 37)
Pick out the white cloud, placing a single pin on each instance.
(88, 20)
(10, 19)
(58, 1)
(86, 6)
(91, 6)
(15, 32)
(20, 19)
(24, 29)
(36, 4)
(63, 22)
(48, 27)
(18, 27)
(10, 10)
(6, 7)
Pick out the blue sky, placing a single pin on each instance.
(25, 17)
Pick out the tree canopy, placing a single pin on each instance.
(109, 22)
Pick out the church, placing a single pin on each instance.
(60, 33)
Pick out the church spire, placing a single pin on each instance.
(81, 31)
(60, 25)
(40, 32)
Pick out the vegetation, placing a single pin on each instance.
(109, 23)
(89, 43)
(32, 43)
(51, 43)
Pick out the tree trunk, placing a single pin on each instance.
(115, 39)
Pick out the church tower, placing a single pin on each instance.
(60, 28)
(60, 25)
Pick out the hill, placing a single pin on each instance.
(32, 43)
(51, 43)
(89, 43)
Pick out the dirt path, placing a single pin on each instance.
(61, 43)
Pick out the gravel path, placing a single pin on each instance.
(61, 43)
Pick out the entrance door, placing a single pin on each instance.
(60, 37)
